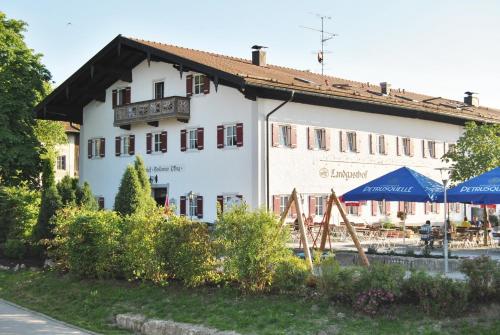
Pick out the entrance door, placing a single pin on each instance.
(159, 194)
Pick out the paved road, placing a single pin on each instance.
(19, 321)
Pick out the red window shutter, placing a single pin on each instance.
(374, 207)
(310, 138)
(131, 146)
(312, 205)
(200, 138)
(182, 207)
(398, 146)
(199, 207)
(413, 208)
(276, 204)
(387, 208)
(183, 140)
(293, 136)
(189, 85)
(126, 99)
(118, 144)
(220, 202)
(293, 209)
(275, 135)
(239, 134)
(206, 85)
(220, 137)
(372, 144)
(163, 141)
(401, 206)
(424, 149)
(148, 143)
(103, 147)
(327, 139)
(343, 141)
(114, 98)
(89, 149)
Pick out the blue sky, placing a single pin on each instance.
(441, 48)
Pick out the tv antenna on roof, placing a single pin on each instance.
(325, 36)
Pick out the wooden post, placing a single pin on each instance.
(302, 229)
(351, 231)
(326, 223)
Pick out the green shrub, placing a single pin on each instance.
(147, 203)
(336, 282)
(483, 275)
(67, 189)
(186, 251)
(19, 208)
(252, 244)
(130, 194)
(14, 248)
(290, 275)
(378, 276)
(435, 295)
(87, 243)
(85, 198)
(140, 241)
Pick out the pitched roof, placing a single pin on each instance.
(283, 77)
(116, 60)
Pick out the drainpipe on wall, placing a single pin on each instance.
(267, 144)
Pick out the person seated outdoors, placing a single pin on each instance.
(465, 223)
(476, 222)
(426, 233)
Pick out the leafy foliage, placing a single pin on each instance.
(14, 248)
(49, 134)
(87, 243)
(51, 201)
(477, 151)
(23, 82)
(252, 244)
(19, 207)
(130, 194)
(140, 241)
(187, 252)
(483, 277)
(290, 275)
(148, 203)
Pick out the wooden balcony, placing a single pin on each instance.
(151, 111)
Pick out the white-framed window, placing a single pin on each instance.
(120, 96)
(283, 203)
(407, 146)
(284, 135)
(319, 138)
(352, 210)
(381, 145)
(96, 148)
(431, 146)
(61, 162)
(156, 147)
(320, 205)
(159, 89)
(198, 83)
(193, 206)
(230, 138)
(231, 200)
(351, 141)
(192, 138)
(125, 144)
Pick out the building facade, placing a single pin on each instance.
(215, 130)
(68, 154)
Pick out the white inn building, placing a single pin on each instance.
(213, 128)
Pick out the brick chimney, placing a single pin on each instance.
(258, 55)
(471, 99)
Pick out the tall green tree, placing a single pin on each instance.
(51, 201)
(147, 203)
(476, 151)
(130, 195)
(85, 198)
(23, 82)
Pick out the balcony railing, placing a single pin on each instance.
(152, 110)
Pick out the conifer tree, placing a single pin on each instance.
(130, 194)
(85, 198)
(51, 201)
(148, 203)
(67, 188)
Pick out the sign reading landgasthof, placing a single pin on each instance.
(343, 174)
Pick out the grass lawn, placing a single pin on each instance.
(92, 305)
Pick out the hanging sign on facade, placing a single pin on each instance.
(342, 174)
(173, 168)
